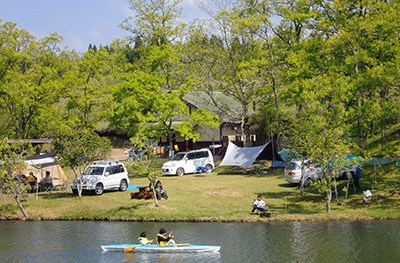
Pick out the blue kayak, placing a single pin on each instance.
(179, 248)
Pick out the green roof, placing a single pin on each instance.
(228, 109)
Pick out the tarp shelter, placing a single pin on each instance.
(39, 164)
(245, 156)
(280, 164)
(378, 161)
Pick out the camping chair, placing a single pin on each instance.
(258, 170)
(62, 187)
(45, 187)
(201, 170)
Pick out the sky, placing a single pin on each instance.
(79, 22)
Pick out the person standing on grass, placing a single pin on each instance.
(259, 204)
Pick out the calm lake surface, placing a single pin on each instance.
(80, 241)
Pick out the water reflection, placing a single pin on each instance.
(77, 241)
(163, 257)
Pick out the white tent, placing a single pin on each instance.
(241, 156)
(245, 156)
(39, 164)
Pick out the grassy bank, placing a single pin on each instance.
(224, 195)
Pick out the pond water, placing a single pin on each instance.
(80, 241)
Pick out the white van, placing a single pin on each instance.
(186, 162)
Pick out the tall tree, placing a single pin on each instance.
(151, 96)
(319, 130)
(77, 148)
(29, 81)
(364, 43)
(232, 62)
(12, 156)
(86, 87)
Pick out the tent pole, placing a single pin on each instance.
(273, 150)
(347, 191)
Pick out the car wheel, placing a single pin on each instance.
(209, 167)
(180, 171)
(99, 189)
(74, 191)
(123, 185)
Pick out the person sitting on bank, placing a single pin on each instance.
(32, 181)
(259, 204)
(47, 182)
(162, 240)
(143, 240)
(158, 188)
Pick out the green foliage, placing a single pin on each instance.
(29, 81)
(12, 156)
(152, 96)
(331, 66)
(76, 148)
(86, 87)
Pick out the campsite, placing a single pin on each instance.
(321, 84)
(225, 195)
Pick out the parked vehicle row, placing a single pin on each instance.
(102, 175)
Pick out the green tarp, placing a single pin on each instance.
(376, 161)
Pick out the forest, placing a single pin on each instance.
(322, 76)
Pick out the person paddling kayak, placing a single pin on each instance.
(143, 240)
(162, 240)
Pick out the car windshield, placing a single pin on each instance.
(91, 170)
(294, 166)
(178, 157)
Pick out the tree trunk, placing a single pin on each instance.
(336, 191)
(328, 195)
(383, 135)
(302, 179)
(154, 191)
(170, 151)
(20, 206)
(80, 187)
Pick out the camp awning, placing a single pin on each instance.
(245, 156)
(42, 160)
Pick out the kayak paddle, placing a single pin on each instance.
(130, 248)
(177, 245)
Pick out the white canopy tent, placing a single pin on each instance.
(39, 164)
(241, 156)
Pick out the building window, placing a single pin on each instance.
(231, 138)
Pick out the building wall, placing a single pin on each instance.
(222, 135)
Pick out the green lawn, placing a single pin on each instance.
(224, 195)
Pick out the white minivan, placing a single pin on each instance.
(187, 162)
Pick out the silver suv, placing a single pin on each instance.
(102, 175)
